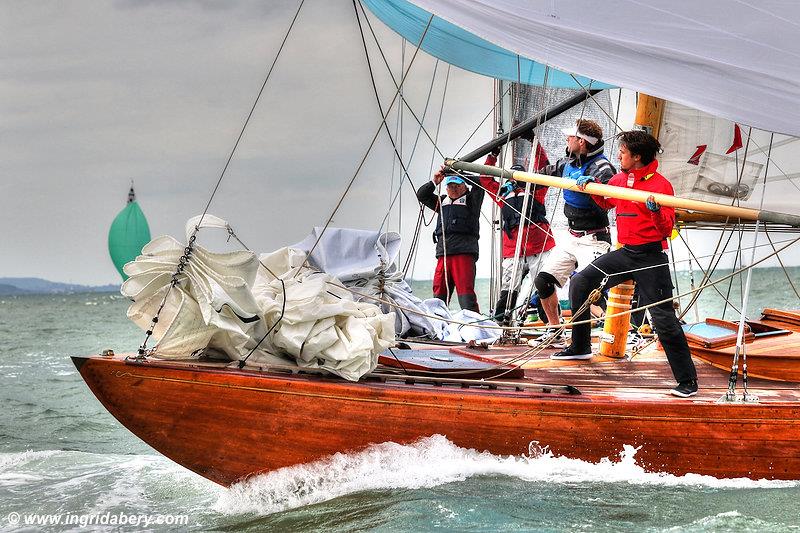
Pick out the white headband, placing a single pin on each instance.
(575, 133)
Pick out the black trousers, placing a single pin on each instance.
(654, 284)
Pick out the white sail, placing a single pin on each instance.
(737, 60)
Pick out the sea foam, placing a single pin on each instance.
(434, 461)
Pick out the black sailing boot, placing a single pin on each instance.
(500, 308)
(509, 311)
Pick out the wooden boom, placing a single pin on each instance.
(623, 193)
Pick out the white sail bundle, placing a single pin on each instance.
(226, 302)
(366, 262)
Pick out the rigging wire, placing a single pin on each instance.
(524, 230)
(394, 80)
(783, 267)
(787, 177)
(142, 352)
(243, 361)
(485, 118)
(402, 115)
(381, 126)
(766, 229)
(708, 272)
(600, 107)
(621, 313)
(378, 100)
(712, 266)
(736, 200)
(397, 194)
(439, 191)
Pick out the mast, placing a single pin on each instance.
(496, 257)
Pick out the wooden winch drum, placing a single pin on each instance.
(615, 330)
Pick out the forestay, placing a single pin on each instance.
(737, 60)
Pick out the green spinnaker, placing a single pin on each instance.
(128, 234)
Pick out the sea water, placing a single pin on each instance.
(63, 457)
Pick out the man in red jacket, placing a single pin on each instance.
(537, 239)
(642, 232)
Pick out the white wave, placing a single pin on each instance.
(728, 521)
(434, 461)
(120, 478)
(10, 461)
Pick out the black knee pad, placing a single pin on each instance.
(545, 284)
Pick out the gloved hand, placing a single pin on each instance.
(496, 151)
(651, 204)
(506, 188)
(583, 181)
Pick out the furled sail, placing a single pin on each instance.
(736, 60)
(461, 48)
(128, 234)
(234, 303)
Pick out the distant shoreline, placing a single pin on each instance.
(27, 286)
(10, 286)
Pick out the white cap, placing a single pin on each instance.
(575, 133)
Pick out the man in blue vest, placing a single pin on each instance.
(589, 236)
(456, 236)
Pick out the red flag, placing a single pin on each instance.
(737, 139)
(695, 159)
(540, 158)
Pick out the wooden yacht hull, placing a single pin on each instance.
(226, 424)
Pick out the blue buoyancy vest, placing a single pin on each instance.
(457, 218)
(575, 198)
(512, 207)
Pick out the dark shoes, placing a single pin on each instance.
(685, 389)
(570, 354)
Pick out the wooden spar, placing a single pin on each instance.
(649, 113)
(527, 126)
(634, 195)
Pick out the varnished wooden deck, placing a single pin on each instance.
(647, 375)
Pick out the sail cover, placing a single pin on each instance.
(737, 60)
(461, 48)
(128, 234)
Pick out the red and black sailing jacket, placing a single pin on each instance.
(637, 225)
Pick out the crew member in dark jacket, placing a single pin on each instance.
(456, 236)
(642, 230)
